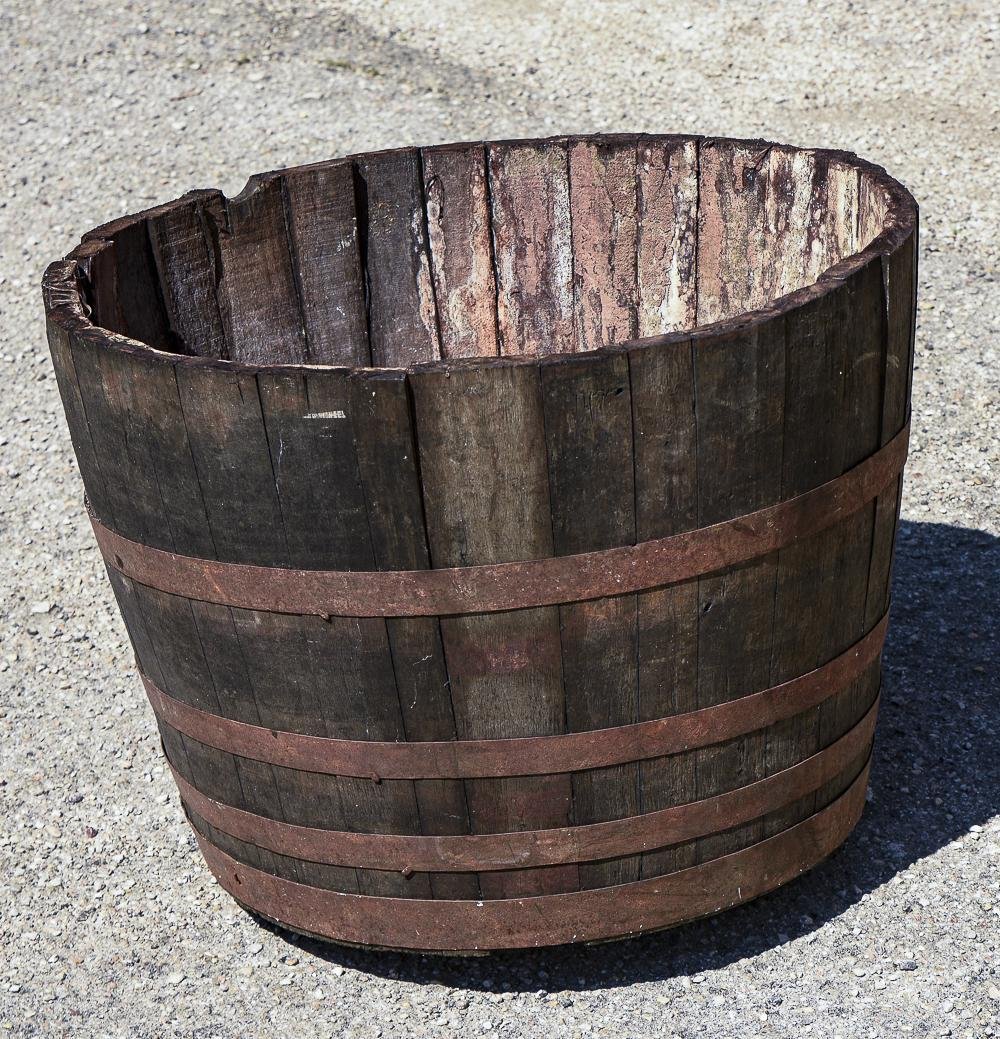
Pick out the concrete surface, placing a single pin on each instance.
(109, 925)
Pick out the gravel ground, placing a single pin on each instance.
(109, 924)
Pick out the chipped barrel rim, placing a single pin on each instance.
(63, 283)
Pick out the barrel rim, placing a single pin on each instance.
(66, 309)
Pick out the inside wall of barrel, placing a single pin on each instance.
(468, 356)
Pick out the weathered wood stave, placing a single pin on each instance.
(219, 454)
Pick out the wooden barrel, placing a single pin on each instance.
(504, 530)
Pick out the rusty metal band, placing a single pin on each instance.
(515, 585)
(528, 755)
(530, 848)
(577, 916)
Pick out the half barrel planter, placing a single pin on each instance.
(504, 530)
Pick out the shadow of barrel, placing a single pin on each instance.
(936, 772)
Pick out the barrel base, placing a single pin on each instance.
(614, 913)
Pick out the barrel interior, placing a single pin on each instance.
(526, 248)
(481, 354)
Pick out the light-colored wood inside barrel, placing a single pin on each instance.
(524, 248)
